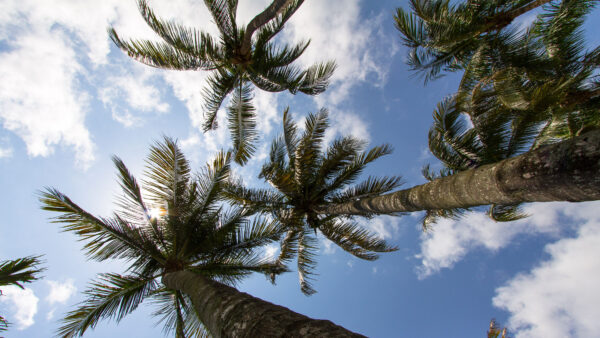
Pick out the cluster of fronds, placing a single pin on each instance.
(520, 89)
(191, 231)
(233, 69)
(305, 177)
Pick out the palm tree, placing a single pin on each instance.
(550, 95)
(305, 176)
(238, 58)
(501, 134)
(444, 37)
(564, 171)
(182, 247)
(17, 272)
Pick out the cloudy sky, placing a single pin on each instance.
(69, 100)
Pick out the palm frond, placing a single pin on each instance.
(185, 39)
(307, 248)
(223, 13)
(219, 84)
(112, 296)
(242, 123)
(21, 270)
(316, 78)
(355, 240)
(160, 54)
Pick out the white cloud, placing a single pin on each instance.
(386, 227)
(60, 292)
(6, 152)
(23, 304)
(559, 297)
(138, 93)
(451, 240)
(38, 97)
(351, 40)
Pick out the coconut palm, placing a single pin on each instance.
(563, 171)
(495, 135)
(443, 36)
(18, 272)
(304, 175)
(495, 331)
(238, 58)
(545, 73)
(183, 249)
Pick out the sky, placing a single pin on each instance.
(69, 100)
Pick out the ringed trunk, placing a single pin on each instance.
(565, 171)
(227, 312)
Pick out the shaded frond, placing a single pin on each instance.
(21, 270)
(241, 120)
(112, 296)
(355, 240)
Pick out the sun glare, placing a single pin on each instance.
(156, 212)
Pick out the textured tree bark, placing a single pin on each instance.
(566, 171)
(276, 7)
(227, 312)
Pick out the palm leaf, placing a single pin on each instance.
(242, 123)
(112, 296)
(19, 271)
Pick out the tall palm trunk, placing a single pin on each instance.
(276, 7)
(227, 312)
(566, 171)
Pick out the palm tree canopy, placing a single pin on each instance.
(443, 37)
(239, 57)
(305, 176)
(541, 90)
(176, 222)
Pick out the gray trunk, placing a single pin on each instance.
(276, 7)
(566, 171)
(227, 312)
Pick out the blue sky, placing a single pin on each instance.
(69, 100)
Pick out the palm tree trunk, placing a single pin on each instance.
(227, 312)
(504, 19)
(276, 7)
(566, 171)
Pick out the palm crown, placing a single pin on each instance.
(536, 88)
(237, 59)
(443, 36)
(305, 178)
(191, 231)
(18, 272)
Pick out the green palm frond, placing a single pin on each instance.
(242, 123)
(506, 213)
(159, 54)
(219, 85)
(21, 270)
(112, 296)
(316, 78)
(188, 40)
(223, 13)
(307, 248)
(177, 315)
(288, 249)
(106, 238)
(372, 186)
(355, 240)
